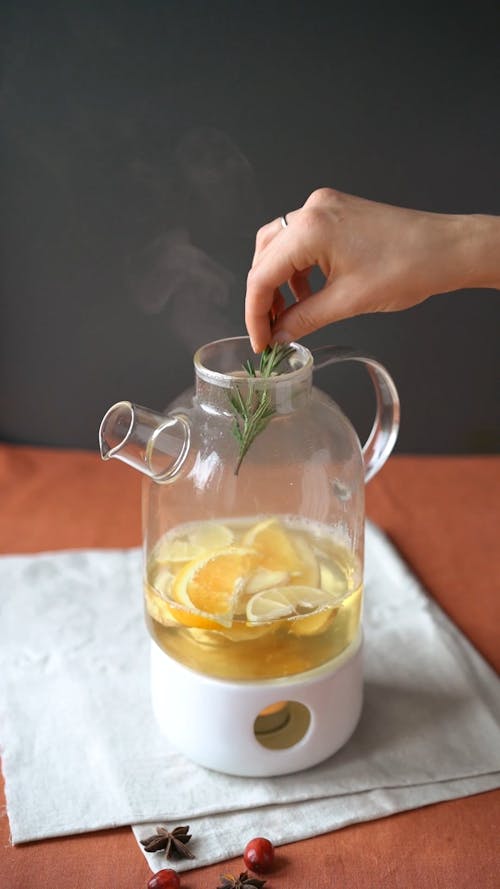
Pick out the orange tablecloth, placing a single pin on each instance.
(442, 514)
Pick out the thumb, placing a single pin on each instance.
(332, 303)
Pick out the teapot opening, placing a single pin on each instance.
(222, 362)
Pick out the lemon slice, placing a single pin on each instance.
(195, 542)
(162, 581)
(269, 605)
(333, 580)
(289, 601)
(308, 574)
(313, 624)
(211, 536)
(264, 579)
(280, 551)
(177, 550)
(170, 614)
(273, 544)
(210, 585)
(157, 608)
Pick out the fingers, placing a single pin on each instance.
(332, 303)
(370, 255)
(281, 255)
(267, 233)
(262, 282)
(299, 284)
(278, 306)
(261, 306)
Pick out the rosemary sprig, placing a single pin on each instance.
(252, 414)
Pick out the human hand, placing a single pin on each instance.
(374, 257)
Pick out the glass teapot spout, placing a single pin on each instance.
(155, 444)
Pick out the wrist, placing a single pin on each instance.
(477, 251)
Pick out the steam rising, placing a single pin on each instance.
(169, 226)
(171, 266)
(174, 272)
(220, 176)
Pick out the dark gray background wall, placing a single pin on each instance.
(144, 142)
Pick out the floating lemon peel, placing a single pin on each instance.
(212, 584)
(306, 609)
(198, 540)
(282, 551)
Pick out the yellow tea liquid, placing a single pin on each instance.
(253, 598)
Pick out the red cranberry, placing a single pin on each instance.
(165, 879)
(259, 855)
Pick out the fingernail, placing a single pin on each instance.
(281, 336)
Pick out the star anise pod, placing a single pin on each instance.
(227, 881)
(173, 841)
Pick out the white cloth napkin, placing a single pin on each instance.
(82, 752)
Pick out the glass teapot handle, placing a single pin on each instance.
(385, 428)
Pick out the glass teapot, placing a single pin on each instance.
(253, 514)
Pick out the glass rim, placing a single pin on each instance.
(227, 379)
